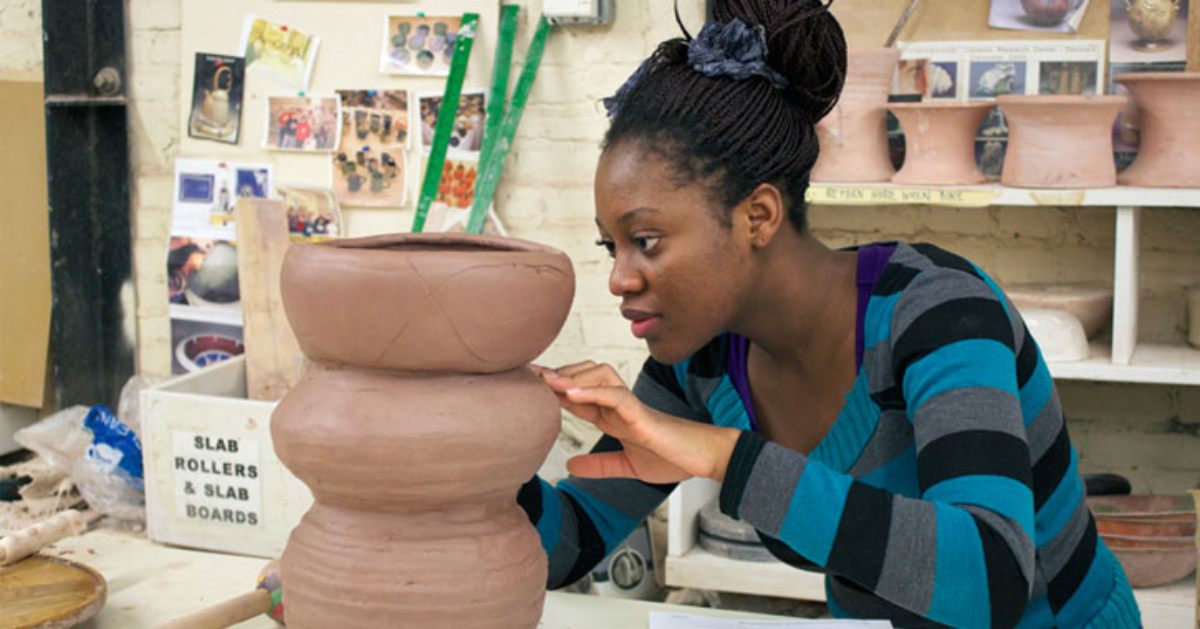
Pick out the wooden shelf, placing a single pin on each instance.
(1151, 364)
(996, 194)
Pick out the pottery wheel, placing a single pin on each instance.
(724, 536)
(48, 593)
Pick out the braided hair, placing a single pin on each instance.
(734, 134)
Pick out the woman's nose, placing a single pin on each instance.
(624, 279)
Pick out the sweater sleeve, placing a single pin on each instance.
(960, 553)
(580, 520)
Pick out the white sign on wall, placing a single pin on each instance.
(217, 478)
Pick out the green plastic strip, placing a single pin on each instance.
(445, 119)
(489, 177)
(499, 94)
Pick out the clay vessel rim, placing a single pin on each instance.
(1130, 77)
(1061, 99)
(941, 105)
(1181, 540)
(474, 243)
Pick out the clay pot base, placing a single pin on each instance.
(939, 142)
(1059, 141)
(1169, 114)
(853, 137)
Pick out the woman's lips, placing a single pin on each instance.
(643, 323)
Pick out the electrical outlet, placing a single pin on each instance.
(583, 12)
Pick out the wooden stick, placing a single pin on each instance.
(226, 613)
(1193, 37)
(33, 538)
(908, 11)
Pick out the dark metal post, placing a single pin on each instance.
(88, 166)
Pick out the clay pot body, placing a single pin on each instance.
(414, 450)
(1169, 116)
(853, 137)
(939, 142)
(1046, 12)
(1059, 141)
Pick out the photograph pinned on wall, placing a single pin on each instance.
(467, 133)
(451, 208)
(418, 45)
(370, 167)
(198, 342)
(911, 79)
(217, 86)
(1149, 32)
(202, 273)
(312, 212)
(1049, 16)
(206, 193)
(279, 52)
(1068, 77)
(302, 123)
(990, 79)
(943, 79)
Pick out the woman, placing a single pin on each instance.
(879, 414)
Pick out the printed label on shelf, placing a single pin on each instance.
(863, 195)
(217, 478)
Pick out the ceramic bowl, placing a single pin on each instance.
(1177, 542)
(1091, 303)
(1059, 334)
(1148, 567)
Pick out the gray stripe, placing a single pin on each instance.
(631, 498)
(1044, 429)
(700, 389)
(1056, 552)
(656, 396)
(932, 288)
(892, 435)
(907, 256)
(1014, 536)
(968, 408)
(772, 482)
(877, 361)
(910, 562)
(566, 552)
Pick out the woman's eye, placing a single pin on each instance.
(608, 245)
(646, 243)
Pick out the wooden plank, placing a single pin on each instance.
(273, 358)
(25, 256)
(1193, 37)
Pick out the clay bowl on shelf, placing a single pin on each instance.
(1142, 506)
(1058, 334)
(1148, 567)
(1059, 141)
(1168, 106)
(1164, 527)
(1090, 303)
(1171, 542)
(939, 142)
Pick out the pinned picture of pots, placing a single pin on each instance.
(216, 98)
(1152, 21)
(369, 167)
(1148, 31)
(199, 342)
(418, 45)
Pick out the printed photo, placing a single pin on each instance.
(1068, 77)
(198, 343)
(990, 79)
(991, 143)
(912, 77)
(203, 273)
(943, 79)
(312, 212)
(370, 166)
(252, 181)
(217, 87)
(467, 134)
(418, 45)
(282, 53)
(1055, 16)
(1149, 31)
(302, 123)
(457, 187)
(204, 198)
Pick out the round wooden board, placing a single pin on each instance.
(48, 593)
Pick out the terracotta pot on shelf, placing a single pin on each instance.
(939, 142)
(1168, 106)
(853, 137)
(414, 426)
(1059, 141)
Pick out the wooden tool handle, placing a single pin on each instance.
(224, 614)
(31, 539)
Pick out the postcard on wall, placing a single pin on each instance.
(206, 192)
(201, 341)
(983, 70)
(418, 45)
(202, 273)
(280, 52)
(466, 136)
(302, 123)
(1150, 32)
(312, 212)
(1051, 16)
(370, 165)
(217, 87)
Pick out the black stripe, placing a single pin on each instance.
(663, 376)
(1063, 585)
(1048, 471)
(945, 259)
(709, 361)
(891, 399)
(745, 452)
(972, 452)
(895, 278)
(591, 544)
(1027, 359)
(861, 541)
(1008, 590)
(860, 603)
(949, 322)
(784, 553)
(530, 499)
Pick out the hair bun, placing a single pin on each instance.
(805, 43)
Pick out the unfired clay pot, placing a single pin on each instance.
(414, 426)
(1091, 303)
(853, 137)
(1169, 116)
(1057, 141)
(939, 142)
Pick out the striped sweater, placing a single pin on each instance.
(946, 493)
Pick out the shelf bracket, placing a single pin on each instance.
(1125, 284)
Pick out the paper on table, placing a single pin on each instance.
(671, 620)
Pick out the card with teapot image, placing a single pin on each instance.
(217, 90)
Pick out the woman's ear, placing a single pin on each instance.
(765, 214)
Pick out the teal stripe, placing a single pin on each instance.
(814, 512)
(987, 279)
(612, 525)
(1037, 391)
(969, 363)
(1121, 609)
(725, 406)
(899, 476)
(681, 372)
(549, 526)
(835, 610)
(1038, 614)
(852, 429)
(1003, 495)
(961, 597)
(877, 325)
(1091, 597)
(1060, 506)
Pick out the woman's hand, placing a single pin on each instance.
(658, 448)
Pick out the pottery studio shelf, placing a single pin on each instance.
(1124, 360)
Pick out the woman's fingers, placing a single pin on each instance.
(601, 465)
(617, 398)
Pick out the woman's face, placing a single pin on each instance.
(679, 273)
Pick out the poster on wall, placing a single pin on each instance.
(312, 212)
(302, 123)
(370, 167)
(279, 52)
(217, 87)
(466, 136)
(1052, 16)
(418, 45)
